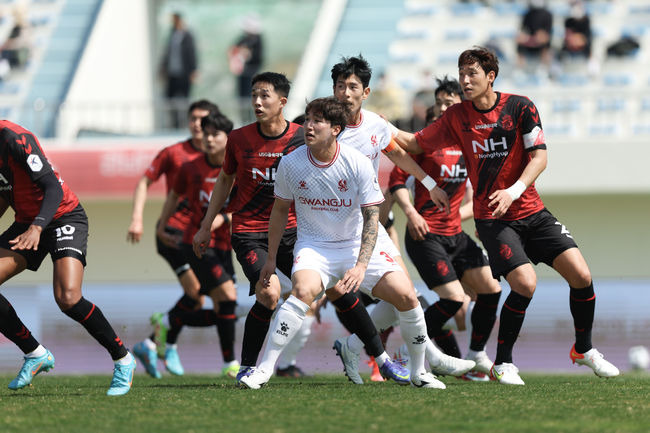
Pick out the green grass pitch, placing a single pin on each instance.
(327, 403)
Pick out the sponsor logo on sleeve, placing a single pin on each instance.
(34, 163)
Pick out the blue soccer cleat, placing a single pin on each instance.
(244, 372)
(173, 362)
(149, 359)
(122, 378)
(31, 367)
(395, 371)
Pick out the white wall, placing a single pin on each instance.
(112, 89)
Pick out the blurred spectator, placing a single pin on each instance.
(245, 59)
(387, 99)
(534, 38)
(179, 70)
(421, 101)
(15, 50)
(577, 32)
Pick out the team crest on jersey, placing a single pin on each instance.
(442, 268)
(251, 257)
(343, 185)
(217, 271)
(505, 251)
(302, 185)
(373, 140)
(34, 162)
(507, 123)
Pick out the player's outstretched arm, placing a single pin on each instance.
(220, 193)
(139, 199)
(353, 277)
(503, 198)
(167, 211)
(415, 223)
(405, 140)
(277, 224)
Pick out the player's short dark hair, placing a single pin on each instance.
(216, 121)
(352, 66)
(203, 104)
(280, 82)
(486, 59)
(450, 86)
(299, 119)
(332, 110)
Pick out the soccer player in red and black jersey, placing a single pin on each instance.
(504, 148)
(168, 162)
(48, 220)
(214, 269)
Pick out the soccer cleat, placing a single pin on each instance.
(31, 367)
(446, 365)
(594, 360)
(395, 371)
(349, 359)
(230, 369)
(149, 359)
(122, 378)
(255, 379)
(243, 372)
(483, 362)
(375, 375)
(291, 371)
(506, 373)
(426, 380)
(159, 333)
(475, 376)
(173, 362)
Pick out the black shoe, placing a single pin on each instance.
(290, 371)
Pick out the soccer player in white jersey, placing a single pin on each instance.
(371, 135)
(336, 196)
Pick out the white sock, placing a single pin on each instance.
(432, 353)
(384, 315)
(126, 360)
(414, 332)
(36, 353)
(230, 363)
(382, 358)
(355, 344)
(171, 346)
(290, 352)
(284, 327)
(150, 344)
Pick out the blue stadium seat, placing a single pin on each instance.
(567, 105)
(610, 104)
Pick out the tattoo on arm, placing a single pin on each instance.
(369, 233)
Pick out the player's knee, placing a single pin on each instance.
(523, 283)
(66, 300)
(267, 296)
(580, 278)
(405, 301)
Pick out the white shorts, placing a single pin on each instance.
(332, 263)
(384, 239)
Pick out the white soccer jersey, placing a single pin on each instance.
(370, 136)
(328, 196)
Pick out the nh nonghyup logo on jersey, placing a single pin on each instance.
(302, 185)
(343, 185)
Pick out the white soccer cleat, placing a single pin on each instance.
(506, 373)
(255, 380)
(426, 380)
(483, 362)
(350, 360)
(445, 365)
(594, 360)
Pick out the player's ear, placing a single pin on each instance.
(366, 92)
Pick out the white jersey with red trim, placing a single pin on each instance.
(328, 196)
(370, 136)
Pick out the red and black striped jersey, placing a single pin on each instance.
(254, 158)
(22, 163)
(447, 167)
(496, 144)
(168, 162)
(195, 181)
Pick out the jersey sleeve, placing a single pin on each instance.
(281, 188)
(27, 152)
(158, 166)
(435, 135)
(370, 191)
(230, 159)
(531, 127)
(397, 179)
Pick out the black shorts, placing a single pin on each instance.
(252, 250)
(441, 259)
(539, 237)
(174, 256)
(66, 236)
(213, 268)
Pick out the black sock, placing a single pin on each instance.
(90, 317)
(512, 318)
(255, 329)
(582, 303)
(13, 328)
(356, 316)
(484, 315)
(436, 316)
(226, 319)
(184, 304)
(195, 318)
